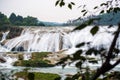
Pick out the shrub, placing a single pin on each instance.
(38, 76)
(33, 63)
(39, 55)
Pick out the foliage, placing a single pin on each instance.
(30, 21)
(26, 21)
(37, 60)
(19, 20)
(62, 3)
(39, 55)
(33, 63)
(37, 76)
(81, 56)
(3, 19)
(12, 18)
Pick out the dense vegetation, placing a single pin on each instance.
(26, 21)
(14, 21)
(37, 60)
(19, 20)
(111, 18)
(37, 76)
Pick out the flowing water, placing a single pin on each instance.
(55, 39)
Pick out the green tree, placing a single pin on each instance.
(19, 20)
(30, 21)
(12, 18)
(3, 19)
(24, 21)
(108, 54)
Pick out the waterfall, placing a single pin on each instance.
(3, 49)
(9, 60)
(4, 36)
(52, 39)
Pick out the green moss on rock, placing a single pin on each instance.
(33, 63)
(37, 76)
(39, 55)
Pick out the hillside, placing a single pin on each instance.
(104, 19)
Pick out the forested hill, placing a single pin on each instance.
(112, 18)
(18, 20)
(13, 22)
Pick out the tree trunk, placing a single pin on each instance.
(106, 66)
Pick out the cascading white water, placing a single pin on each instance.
(2, 49)
(9, 60)
(4, 36)
(52, 39)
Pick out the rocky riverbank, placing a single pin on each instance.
(14, 31)
(34, 59)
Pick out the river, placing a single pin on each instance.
(55, 39)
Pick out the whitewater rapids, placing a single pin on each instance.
(53, 39)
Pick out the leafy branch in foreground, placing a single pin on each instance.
(104, 68)
(62, 3)
(82, 57)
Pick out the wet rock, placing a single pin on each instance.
(2, 60)
(20, 48)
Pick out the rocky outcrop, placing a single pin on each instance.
(56, 56)
(2, 60)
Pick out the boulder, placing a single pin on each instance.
(2, 60)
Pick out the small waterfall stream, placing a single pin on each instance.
(4, 36)
(3, 49)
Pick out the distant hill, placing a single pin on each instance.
(51, 23)
(104, 19)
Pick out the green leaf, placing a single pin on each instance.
(103, 4)
(95, 7)
(94, 30)
(102, 11)
(83, 10)
(82, 58)
(72, 3)
(78, 64)
(80, 27)
(76, 55)
(57, 3)
(84, 13)
(89, 52)
(62, 4)
(81, 44)
(69, 6)
(79, 52)
(110, 10)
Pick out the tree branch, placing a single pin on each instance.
(110, 52)
(106, 66)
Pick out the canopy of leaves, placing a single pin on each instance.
(3, 19)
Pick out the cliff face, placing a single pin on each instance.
(14, 31)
